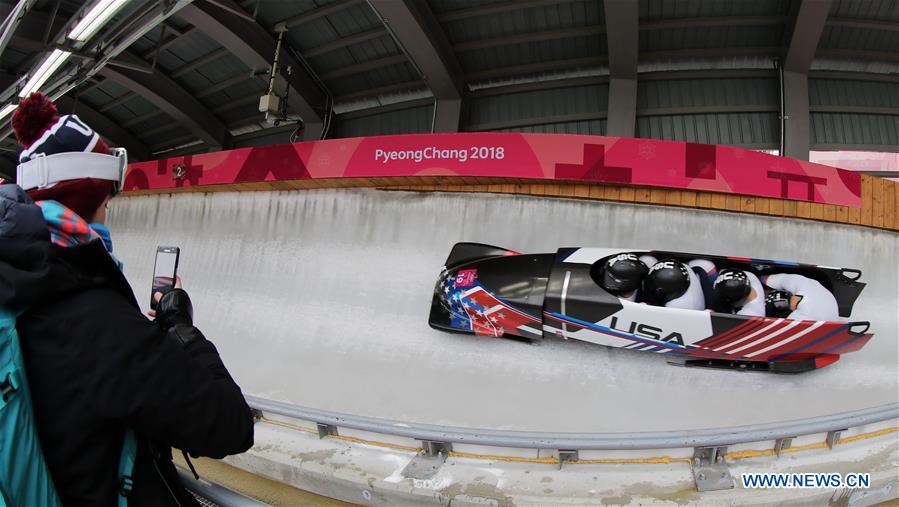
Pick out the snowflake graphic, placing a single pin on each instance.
(646, 150)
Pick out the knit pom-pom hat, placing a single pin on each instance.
(40, 130)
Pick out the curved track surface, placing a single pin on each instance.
(320, 298)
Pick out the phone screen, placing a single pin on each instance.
(165, 270)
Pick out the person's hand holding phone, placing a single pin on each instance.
(158, 295)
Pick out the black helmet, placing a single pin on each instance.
(777, 304)
(620, 273)
(666, 281)
(732, 286)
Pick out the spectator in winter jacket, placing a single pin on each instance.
(96, 365)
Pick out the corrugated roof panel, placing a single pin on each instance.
(866, 9)
(241, 115)
(841, 37)
(112, 88)
(118, 113)
(312, 34)
(376, 78)
(153, 123)
(711, 37)
(374, 49)
(95, 96)
(533, 52)
(270, 13)
(354, 19)
(538, 104)
(391, 74)
(245, 89)
(139, 106)
(584, 127)
(865, 129)
(677, 9)
(840, 92)
(220, 70)
(333, 60)
(415, 120)
(538, 19)
(358, 53)
(188, 48)
(733, 129)
(147, 41)
(164, 138)
(652, 94)
(13, 58)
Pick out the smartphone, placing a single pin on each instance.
(165, 270)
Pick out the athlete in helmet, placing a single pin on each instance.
(809, 300)
(672, 284)
(620, 275)
(740, 292)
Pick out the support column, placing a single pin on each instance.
(622, 114)
(797, 127)
(799, 54)
(622, 33)
(447, 114)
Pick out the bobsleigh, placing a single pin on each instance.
(491, 291)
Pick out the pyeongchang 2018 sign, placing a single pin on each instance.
(610, 160)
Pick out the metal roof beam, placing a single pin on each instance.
(255, 47)
(172, 99)
(420, 35)
(805, 35)
(623, 41)
(106, 127)
(423, 40)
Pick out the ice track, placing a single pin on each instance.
(320, 298)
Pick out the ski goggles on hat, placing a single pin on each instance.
(44, 171)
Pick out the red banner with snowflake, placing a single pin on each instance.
(616, 160)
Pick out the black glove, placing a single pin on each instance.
(175, 314)
(174, 308)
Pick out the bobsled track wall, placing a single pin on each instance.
(319, 298)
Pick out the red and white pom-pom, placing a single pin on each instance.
(33, 117)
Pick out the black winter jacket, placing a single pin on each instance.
(96, 365)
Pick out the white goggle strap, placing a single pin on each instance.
(43, 170)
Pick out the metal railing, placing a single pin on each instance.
(714, 437)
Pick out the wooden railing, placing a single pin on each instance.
(879, 196)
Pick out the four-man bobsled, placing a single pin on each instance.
(492, 291)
